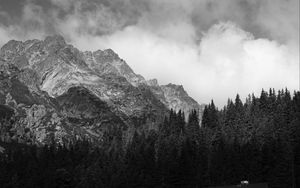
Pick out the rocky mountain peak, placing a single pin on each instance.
(108, 62)
(152, 82)
(178, 99)
(55, 39)
(12, 44)
(11, 49)
(111, 53)
(54, 43)
(39, 77)
(175, 87)
(107, 55)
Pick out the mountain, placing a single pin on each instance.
(175, 97)
(52, 91)
(178, 99)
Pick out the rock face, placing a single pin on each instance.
(177, 98)
(54, 91)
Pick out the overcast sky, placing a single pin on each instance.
(214, 48)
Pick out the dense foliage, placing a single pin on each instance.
(258, 140)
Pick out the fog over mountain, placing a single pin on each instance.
(214, 48)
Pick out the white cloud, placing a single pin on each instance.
(243, 64)
(228, 60)
(179, 42)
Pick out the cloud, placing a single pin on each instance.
(65, 4)
(214, 48)
(228, 60)
(281, 19)
(242, 64)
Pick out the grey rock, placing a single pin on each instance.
(44, 82)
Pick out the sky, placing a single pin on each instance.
(214, 48)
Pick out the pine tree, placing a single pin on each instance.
(193, 126)
(210, 116)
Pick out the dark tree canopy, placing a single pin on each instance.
(258, 140)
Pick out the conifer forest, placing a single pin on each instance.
(256, 140)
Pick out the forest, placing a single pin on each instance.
(257, 140)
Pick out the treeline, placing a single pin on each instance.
(258, 140)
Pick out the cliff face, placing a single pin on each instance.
(178, 99)
(55, 90)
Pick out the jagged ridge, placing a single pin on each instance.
(48, 70)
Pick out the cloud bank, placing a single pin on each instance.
(214, 48)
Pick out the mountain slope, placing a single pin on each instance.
(178, 99)
(58, 91)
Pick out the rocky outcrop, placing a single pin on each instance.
(57, 91)
(178, 99)
(55, 67)
(175, 97)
